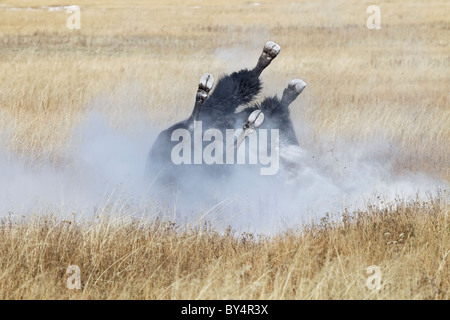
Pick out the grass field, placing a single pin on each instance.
(388, 84)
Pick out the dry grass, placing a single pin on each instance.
(390, 83)
(123, 258)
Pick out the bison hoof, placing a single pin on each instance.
(297, 86)
(255, 119)
(271, 49)
(204, 86)
(206, 82)
(294, 88)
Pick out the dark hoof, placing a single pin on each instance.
(204, 86)
(294, 88)
(255, 119)
(270, 51)
(297, 86)
(206, 82)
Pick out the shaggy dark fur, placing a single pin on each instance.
(219, 111)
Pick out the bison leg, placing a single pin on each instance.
(294, 88)
(254, 121)
(204, 86)
(236, 89)
(277, 112)
(270, 51)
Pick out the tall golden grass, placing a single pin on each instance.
(390, 83)
(124, 258)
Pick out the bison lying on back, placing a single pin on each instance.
(212, 139)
